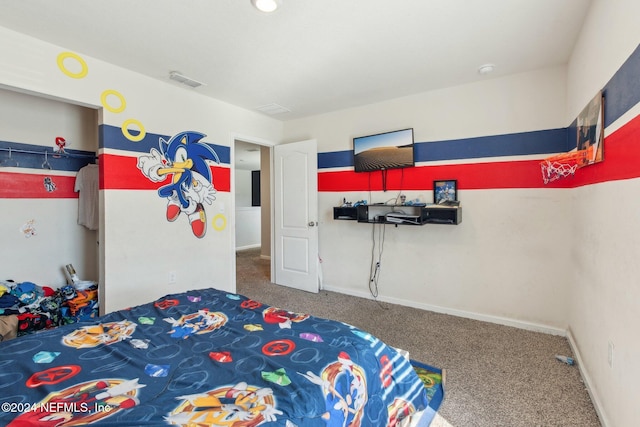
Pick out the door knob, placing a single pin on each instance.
(312, 223)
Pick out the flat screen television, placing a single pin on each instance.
(389, 150)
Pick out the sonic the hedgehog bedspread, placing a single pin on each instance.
(206, 358)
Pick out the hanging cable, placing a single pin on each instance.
(370, 196)
(398, 197)
(376, 265)
(384, 180)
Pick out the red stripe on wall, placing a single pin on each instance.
(31, 186)
(122, 173)
(621, 161)
(515, 174)
(621, 157)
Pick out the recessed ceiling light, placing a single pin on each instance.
(486, 68)
(266, 6)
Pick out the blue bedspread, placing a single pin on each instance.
(206, 358)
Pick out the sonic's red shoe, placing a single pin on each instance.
(173, 212)
(198, 221)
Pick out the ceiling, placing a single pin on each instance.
(246, 156)
(310, 56)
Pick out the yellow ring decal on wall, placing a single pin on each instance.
(214, 222)
(84, 70)
(127, 134)
(103, 100)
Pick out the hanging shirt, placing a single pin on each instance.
(87, 185)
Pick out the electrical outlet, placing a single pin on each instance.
(610, 354)
(172, 277)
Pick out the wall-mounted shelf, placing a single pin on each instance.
(348, 213)
(401, 214)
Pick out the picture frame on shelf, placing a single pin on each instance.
(445, 191)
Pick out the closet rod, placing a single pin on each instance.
(42, 153)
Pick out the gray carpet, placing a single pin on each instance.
(495, 375)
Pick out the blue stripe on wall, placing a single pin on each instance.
(516, 144)
(112, 137)
(71, 160)
(623, 90)
(335, 159)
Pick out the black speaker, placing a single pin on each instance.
(255, 188)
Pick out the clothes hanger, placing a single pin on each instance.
(45, 164)
(10, 162)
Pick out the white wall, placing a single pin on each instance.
(501, 262)
(247, 217)
(140, 247)
(243, 188)
(519, 103)
(605, 296)
(609, 35)
(33, 120)
(247, 227)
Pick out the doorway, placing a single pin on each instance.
(252, 192)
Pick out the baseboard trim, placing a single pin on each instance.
(586, 379)
(267, 257)
(530, 326)
(244, 248)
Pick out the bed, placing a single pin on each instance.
(207, 358)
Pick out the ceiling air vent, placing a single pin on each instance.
(273, 109)
(174, 75)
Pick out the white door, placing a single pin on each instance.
(296, 215)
